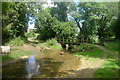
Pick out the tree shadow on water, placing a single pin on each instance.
(48, 69)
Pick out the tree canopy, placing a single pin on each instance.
(14, 19)
(93, 19)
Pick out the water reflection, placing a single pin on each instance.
(32, 67)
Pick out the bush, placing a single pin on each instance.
(84, 47)
(51, 42)
(18, 41)
(30, 34)
(41, 45)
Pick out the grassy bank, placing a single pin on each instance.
(16, 51)
(91, 53)
(52, 44)
(109, 68)
(16, 54)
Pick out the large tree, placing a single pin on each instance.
(14, 19)
(75, 14)
(60, 11)
(98, 18)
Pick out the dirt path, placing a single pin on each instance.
(105, 50)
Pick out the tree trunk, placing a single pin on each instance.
(78, 24)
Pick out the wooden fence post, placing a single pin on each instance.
(63, 40)
(67, 41)
(83, 40)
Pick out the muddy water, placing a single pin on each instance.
(52, 65)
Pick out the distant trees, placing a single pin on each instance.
(67, 29)
(98, 19)
(44, 24)
(115, 27)
(60, 11)
(49, 25)
(116, 24)
(75, 14)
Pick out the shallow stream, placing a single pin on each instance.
(52, 65)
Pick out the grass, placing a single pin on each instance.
(91, 54)
(16, 54)
(57, 46)
(108, 70)
(113, 46)
(110, 67)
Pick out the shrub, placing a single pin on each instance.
(51, 42)
(41, 45)
(18, 41)
(30, 34)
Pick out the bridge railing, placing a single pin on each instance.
(71, 41)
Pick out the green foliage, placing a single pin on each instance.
(18, 41)
(51, 42)
(66, 29)
(60, 12)
(98, 19)
(41, 45)
(115, 27)
(14, 20)
(44, 24)
(49, 27)
(75, 14)
(31, 34)
(85, 47)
